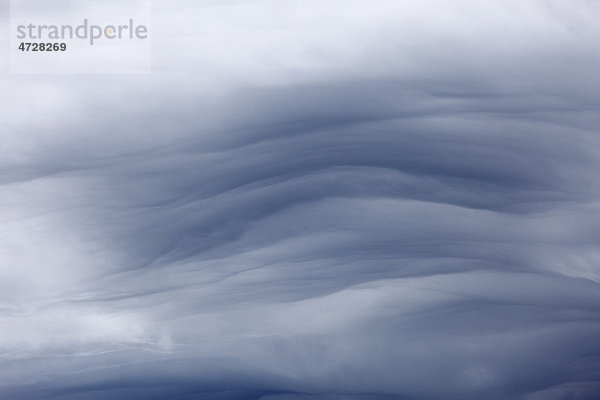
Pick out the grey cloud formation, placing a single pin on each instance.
(401, 206)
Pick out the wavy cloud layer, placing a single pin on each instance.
(311, 200)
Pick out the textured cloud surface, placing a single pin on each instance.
(311, 200)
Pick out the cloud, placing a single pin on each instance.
(403, 204)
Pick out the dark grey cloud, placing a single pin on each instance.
(414, 217)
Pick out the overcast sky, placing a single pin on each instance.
(313, 200)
